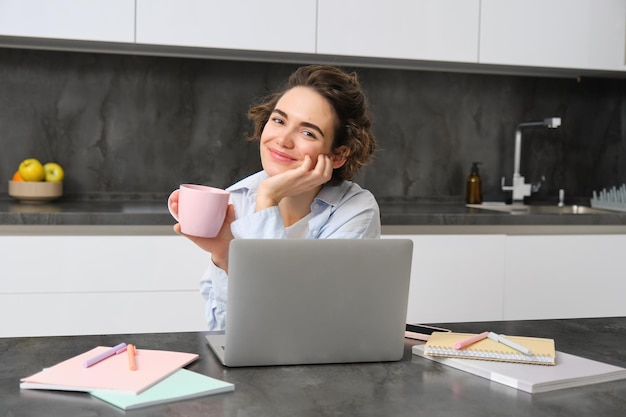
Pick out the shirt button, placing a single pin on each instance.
(315, 232)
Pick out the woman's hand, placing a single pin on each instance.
(218, 246)
(306, 177)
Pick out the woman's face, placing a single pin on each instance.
(302, 123)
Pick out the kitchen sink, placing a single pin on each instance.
(539, 209)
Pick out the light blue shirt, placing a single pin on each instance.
(344, 211)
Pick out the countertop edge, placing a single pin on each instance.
(86, 230)
(504, 229)
(150, 217)
(387, 230)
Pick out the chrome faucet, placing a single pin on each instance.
(520, 188)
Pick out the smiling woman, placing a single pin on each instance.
(293, 143)
(348, 103)
(314, 136)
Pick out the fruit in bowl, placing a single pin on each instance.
(54, 172)
(34, 182)
(17, 177)
(31, 170)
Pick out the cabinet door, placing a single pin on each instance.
(437, 30)
(271, 25)
(67, 285)
(550, 277)
(456, 278)
(93, 20)
(585, 34)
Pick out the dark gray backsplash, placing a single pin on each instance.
(136, 124)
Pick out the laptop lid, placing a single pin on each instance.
(306, 301)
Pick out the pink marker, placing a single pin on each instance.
(465, 343)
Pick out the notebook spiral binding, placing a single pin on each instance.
(488, 354)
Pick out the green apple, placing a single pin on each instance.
(31, 170)
(54, 172)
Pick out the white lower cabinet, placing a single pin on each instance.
(456, 278)
(565, 276)
(93, 284)
(66, 285)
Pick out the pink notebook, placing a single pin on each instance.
(112, 373)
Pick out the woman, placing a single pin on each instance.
(314, 136)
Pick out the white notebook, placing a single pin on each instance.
(569, 371)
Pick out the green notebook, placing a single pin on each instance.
(181, 385)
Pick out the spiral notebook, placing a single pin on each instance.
(442, 344)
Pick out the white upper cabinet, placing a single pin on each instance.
(93, 20)
(270, 25)
(551, 34)
(431, 30)
(582, 34)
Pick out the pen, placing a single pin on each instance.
(102, 356)
(131, 357)
(501, 339)
(470, 340)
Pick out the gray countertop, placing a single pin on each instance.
(141, 210)
(410, 387)
(86, 212)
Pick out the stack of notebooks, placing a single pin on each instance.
(159, 377)
(544, 369)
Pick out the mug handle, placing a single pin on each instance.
(169, 205)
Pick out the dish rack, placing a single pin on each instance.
(611, 199)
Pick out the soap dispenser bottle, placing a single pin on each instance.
(474, 193)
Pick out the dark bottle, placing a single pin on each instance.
(474, 193)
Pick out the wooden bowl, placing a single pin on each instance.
(35, 191)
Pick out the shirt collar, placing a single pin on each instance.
(331, 194)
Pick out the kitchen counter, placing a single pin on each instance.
(115, 211)
(149, 215)
(150, 211)
(412, 386)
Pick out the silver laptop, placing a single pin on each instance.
(307, 301)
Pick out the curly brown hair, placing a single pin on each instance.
(343, 92)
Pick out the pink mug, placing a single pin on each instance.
(201, 209)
